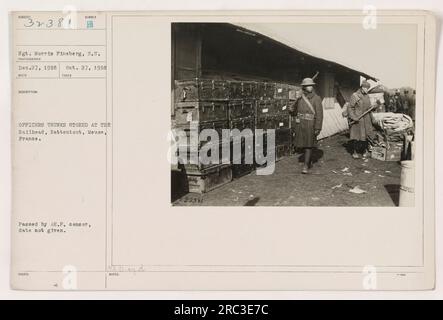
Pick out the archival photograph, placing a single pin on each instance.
(293, 114)
(246, 150)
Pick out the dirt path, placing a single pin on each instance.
(332, 176)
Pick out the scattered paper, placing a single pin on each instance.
(388, 171)
(337, 186)
(367, 171)
(345, 169)
(381, 176)
(315, 198)
(357, 190)
(347, 174)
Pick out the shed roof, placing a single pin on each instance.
(259, 30)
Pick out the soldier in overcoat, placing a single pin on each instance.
(307, 111)
(361, 128)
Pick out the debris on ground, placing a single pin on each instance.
(367, 171)
(345, 169)
(324, 182)
(357, 190)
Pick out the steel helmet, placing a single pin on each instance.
(365, 84)
(307, 82)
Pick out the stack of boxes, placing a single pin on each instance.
(272, 112)
(218, 104)
(242, 117)
(202, 104)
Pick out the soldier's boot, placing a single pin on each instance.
(308, 154)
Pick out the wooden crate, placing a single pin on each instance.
(265, 108)
(281, 91)
(241, 109)
(242, 123)
(282, 121)
(265, 122)
(201, 90)
(198, 167)
(239, 90)
(265, 90)
(186, 112)
(199, 126)
(246, 151)
(238, 160)
(281, 107)
(273, 122)
(393, 153)
(209, 180)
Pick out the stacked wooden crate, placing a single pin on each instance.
(220, 104)
(202, 104)
(272, 112)
(242, 100)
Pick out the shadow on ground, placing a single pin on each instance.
(317, 154)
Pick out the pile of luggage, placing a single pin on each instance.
(391, 141)
(229, 104)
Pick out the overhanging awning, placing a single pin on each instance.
(273, 35)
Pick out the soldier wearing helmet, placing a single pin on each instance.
(308, 112)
